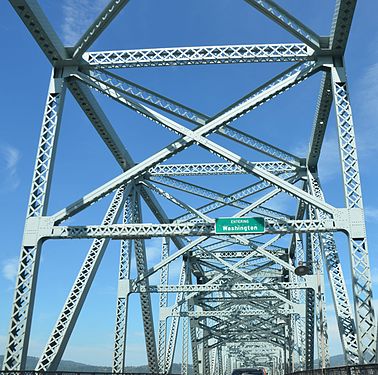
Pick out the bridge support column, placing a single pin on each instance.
(298, 296)
(360, 265)
(321, 313)
(310, 310)
(205, 351)
(201, 354)
(193, 338)
(123, 294)
(145, 297)
(185, 325)
(343, 309)
(163, 303)
(22, 309)
(220, 360)
(227, 362)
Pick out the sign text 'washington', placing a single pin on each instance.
(234, 225)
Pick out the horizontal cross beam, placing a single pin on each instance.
(237, 287)
(43, 229)
(227, 54)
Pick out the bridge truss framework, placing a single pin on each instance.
(239, 300)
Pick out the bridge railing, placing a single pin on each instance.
(32, 372)
(343, 370)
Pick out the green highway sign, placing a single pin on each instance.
(237, 225)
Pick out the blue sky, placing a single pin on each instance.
(83, 162)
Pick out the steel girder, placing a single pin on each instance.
(206, 169)
(270, 304)
(38, 25)
(45, 230)
(231, 54)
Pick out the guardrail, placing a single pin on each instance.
(343, 370)
(32, 372)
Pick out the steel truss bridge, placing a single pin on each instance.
(241, 299)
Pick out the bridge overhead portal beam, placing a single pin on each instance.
(240, 297)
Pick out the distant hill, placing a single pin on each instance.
(72, 366)
(337, 360)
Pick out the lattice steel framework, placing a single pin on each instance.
(240, 298)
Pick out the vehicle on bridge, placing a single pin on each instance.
(249, 371)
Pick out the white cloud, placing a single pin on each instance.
(174, 273)
(369, 94)
(78, 16)
(9, 159)
(367, 110)
(281, 203)
(374, 278)
(3, 342)
(371, 214)
(9, 269)
(329, 162)
(153, 250)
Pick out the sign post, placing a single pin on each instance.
(238, 225)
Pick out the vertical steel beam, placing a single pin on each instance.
(220, 360)
(163, 303)
(206, 350)
(22, 309)
(341, 25)
(185, 327)
(343, 310)
(200, 336)
(120, 331)
(310, 311)
(300, 297)
(323, 109)
(193, 339)
(173, 332)
(185, 324)
(185, 342)
(321, 313)
(40, 190)
(227, 366)
(360, 266)
(213, 357)
(145, 298)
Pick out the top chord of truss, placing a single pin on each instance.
(248, 53)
